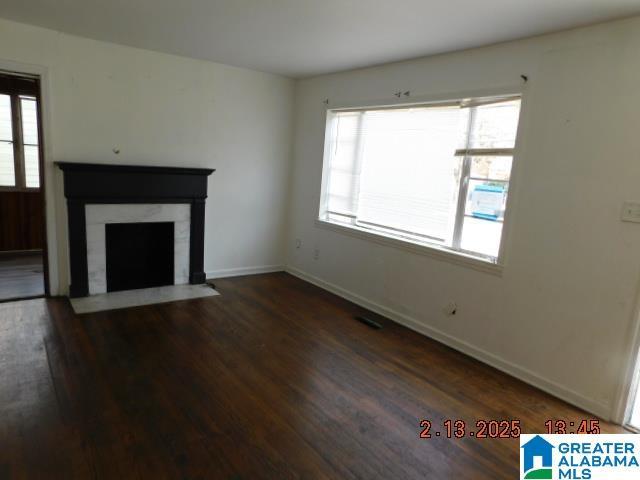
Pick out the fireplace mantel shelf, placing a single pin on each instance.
(96, 183)
(110, 167)
(103, 183)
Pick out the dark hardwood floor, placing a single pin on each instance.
(273, 379)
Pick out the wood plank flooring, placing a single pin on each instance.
(21, 276)
(273, 379)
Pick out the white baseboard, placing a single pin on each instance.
(599, 409)
(237, 272)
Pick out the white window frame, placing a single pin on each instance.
(457, 256)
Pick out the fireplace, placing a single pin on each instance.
(119, 219)
(139, 255)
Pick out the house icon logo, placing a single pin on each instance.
(537, 459)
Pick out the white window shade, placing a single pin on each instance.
(344, 173)
(409, 171)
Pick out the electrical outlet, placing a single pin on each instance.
(298, 243)
(316, 253)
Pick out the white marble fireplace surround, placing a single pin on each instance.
(97, 216)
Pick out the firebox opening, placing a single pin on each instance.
(139, 255)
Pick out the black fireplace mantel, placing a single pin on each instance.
(92, 183)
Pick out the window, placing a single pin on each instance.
(432, 174)
(19, 135)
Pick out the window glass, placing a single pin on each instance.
(481, 236)
(495, 125)
(491, 168)
(29, 121)
(31, 166)
(486, 200)
(7, 167)
(30, 141)
(433, 174)
(6, 132)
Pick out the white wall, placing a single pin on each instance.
(165, 110)
(562, 313)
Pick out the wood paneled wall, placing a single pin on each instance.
(21, 221)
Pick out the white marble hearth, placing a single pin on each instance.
(136, 298)
(97, 216)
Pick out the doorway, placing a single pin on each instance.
(23, 246)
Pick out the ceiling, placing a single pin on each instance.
(300, 38)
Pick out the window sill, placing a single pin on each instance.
(434, 251)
